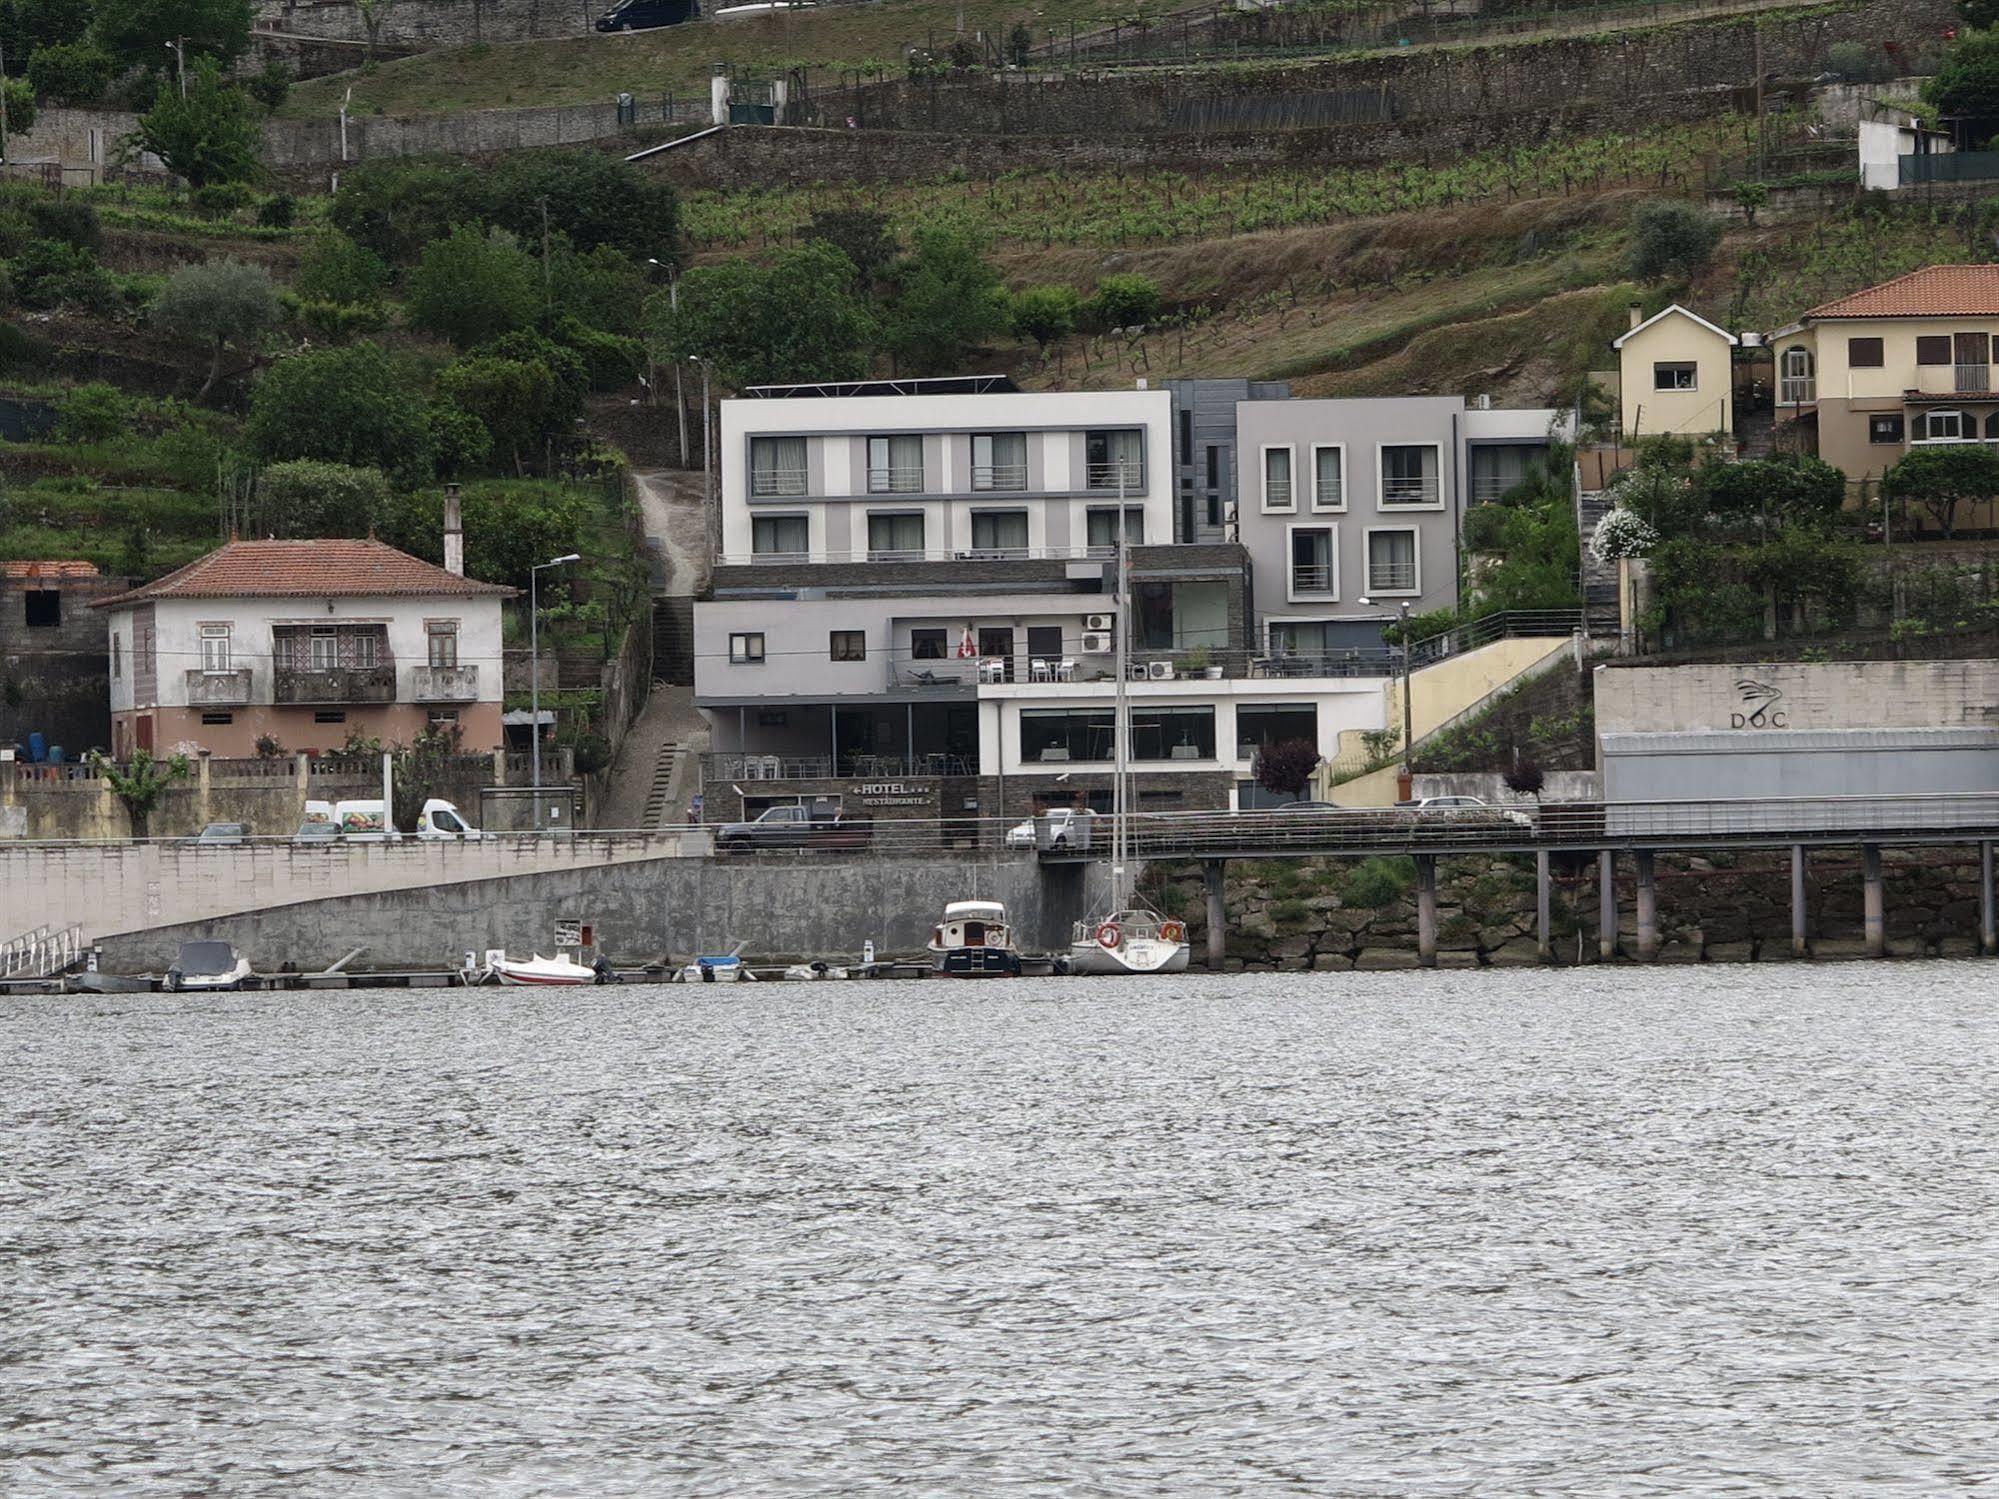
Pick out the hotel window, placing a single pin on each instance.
(1864, 353)
(747, 649)
(895, 535)
(1312, 563)
(1329, 489)
(1933, 348)
(777, 466)
(1054, 735)
(1885, 429)
(1258, 724)
(1115, 457)
(999, 531)
(1173, 734)
(1391, 562)
(1101, 523)
(850, 645)
(442, 635)
(895, 464)
(1277, 480)
(928, 645)
(215, 648)
(1409, 474)
(999, 460)
(1673, 377)
(780, 535)
(1943, 426)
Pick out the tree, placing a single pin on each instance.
(49, 273)
(511, 398)
(421, 772)
(20, 98)
(336, 269)
(29, 26)
(1943, 477)
(1125, 301)
(395, 207)
(1749, 197)
(1766, 494)
(75, 74)
(1979, 15)
(1045, 313)
(590, 199)
(948, 297)
(1285, 768)
(1526, 778)
(510, 525)
(210, 136)
(1966, 84)
(137, 33)
(1671, 240)
(216, 304)
(860, 234)
(357, 405)
(269, 86)
(309, 498)
(798, 318)
(473, 286)
(142, 782)
(373, 14)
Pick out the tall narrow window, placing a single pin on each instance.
(215, 648)
(1797, 382)
(1391, 562)
(1329, 485)
(1277, 480)
(443, 637)
(999, 460)
(117, 659)
(777, 466)
(1114, 458)
(895, 464)
(1186, 455)
(1312, 561)
(325, 648)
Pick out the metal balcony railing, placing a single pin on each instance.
(1315, 577)
(1972, 377)
(1952, 379)
(444, 684)
(220, 689)
(357, 684)
(1421, 491)
(1391, 577)
(1091, 552)
(1797, 390)
(1277, 494)
(770, 482)
(895, 480)
(1107, 475)
(1001, 476)
(943, 674)
(1328, 495)
(1487, 489)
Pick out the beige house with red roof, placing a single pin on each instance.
(1893, 367)
(308, 642)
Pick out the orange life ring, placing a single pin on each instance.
(1172, 931)
(1108, 935)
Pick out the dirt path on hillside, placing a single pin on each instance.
(670, 501)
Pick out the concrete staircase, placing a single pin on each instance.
(673, 641)
(1599, 579)
(659, 799)
(1756, 433)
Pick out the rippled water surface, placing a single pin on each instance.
(1725, 1231)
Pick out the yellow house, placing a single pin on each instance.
(1674, 372)
(1899, 365)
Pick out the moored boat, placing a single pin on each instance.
(1133, 940)
(207, 965)
(974, 941)
(537, 971)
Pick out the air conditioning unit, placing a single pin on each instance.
(1096, 643)
(1159, 671)
(1102, 622)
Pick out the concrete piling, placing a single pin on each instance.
(1606, 906)
(1798, 938)
(1426, 910)
(1212, 872)
(1544, 946)
(1648, 908)
(1988, 917)
(1875, 918)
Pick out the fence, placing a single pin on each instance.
(1950, 166)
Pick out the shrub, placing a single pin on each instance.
(269, 86)
(1045, 313)
(1622, 533)
(396, 207)
(610, 360)
(75, 74)
(512, 399)
(52, 273)
(1285, 768)
(207, 136)
(1966, 85)
(592, 752)
(338, 322)
(1526, 778)
(473, 286)
(1857, 62)
(337, 269)
(1125, 301)
(1484, 526)
(277, 211)
(357, 405)
(309, 498)
(219, 200)
(591, 200)
(1671, 240)
(92, 413)
(1378, 882)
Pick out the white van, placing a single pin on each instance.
(367, 821)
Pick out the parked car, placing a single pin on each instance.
(1062, 830)
(795, 826)
(643, 15)
(1468, 808)
(224, 832)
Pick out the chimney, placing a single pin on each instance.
(1637, 314)
(454, 533)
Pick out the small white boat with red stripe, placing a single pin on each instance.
(536, 971)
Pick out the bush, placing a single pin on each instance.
(591, 199)
(1966, 86)
(308, 498)
(592, 753)
(269, 86)
(336, 269)
(75, 74)
(396, 207)
(611, 361)
(512, 399)
(1046, 313)
(68, 219)
(1857, 62)
(1285, 768)
(277, 212)
(1671, 240)
(1622, 533)
(92, 413)
(338, 322)
(1378, 882)
(1126, 301)
(219, 200)
(473, 286)
(358, 406)
(49, 273)
(209, 135)
(603, 289)
(1484, 526)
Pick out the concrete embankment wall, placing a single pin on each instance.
(779, 907)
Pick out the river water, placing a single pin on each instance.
(1729, 1230)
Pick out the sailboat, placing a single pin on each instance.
(1126, 936)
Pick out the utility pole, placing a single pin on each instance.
(3, 102)
(547, 283)
(179, 46)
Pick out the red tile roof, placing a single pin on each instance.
(1939, 291)
(309, 569)
(48, 569)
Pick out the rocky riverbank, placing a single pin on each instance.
(1332, 915)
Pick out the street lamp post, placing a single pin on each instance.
(1408, 710)
(178, 46)
(534, 671)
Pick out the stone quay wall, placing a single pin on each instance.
(1719, 907)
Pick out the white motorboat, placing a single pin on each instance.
(813, 972)
(1125, 936)
(974, 941)
(207, 965)
(539, 971)
(722, 968)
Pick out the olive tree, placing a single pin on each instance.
(217, 304)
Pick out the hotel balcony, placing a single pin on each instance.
(220, 689)
(356, 684)
(444, 684)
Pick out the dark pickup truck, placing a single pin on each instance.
(795, 827)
